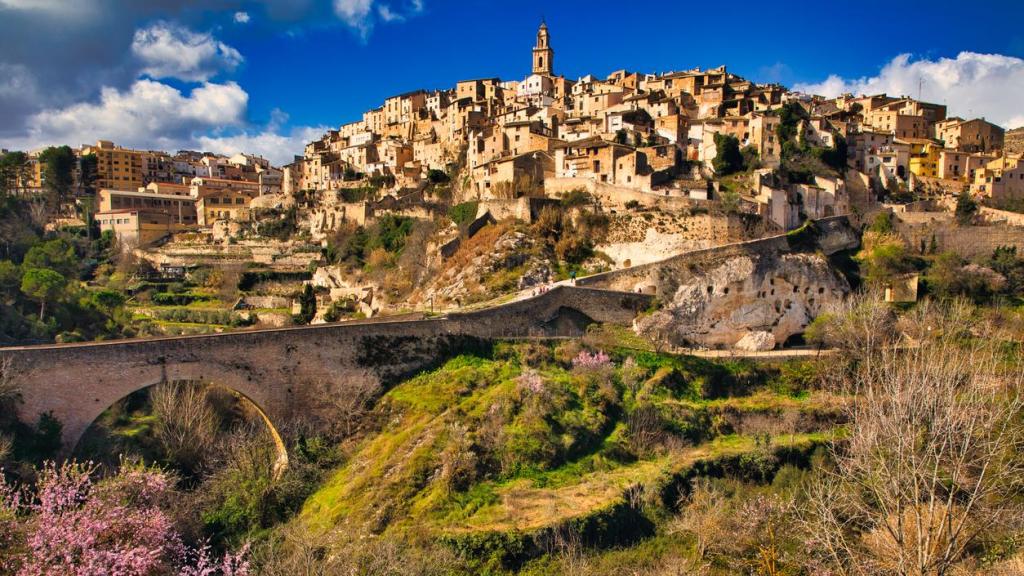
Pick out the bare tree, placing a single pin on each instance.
(38, 212)
(458, 461)
(933, 461)
(856, 327)
(566, 544)
(296, 551)
(645, 429)
(350, 404)
(186, 423)
(705, 514)
(9, 389)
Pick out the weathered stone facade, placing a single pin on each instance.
(751, 302)
(726, 295)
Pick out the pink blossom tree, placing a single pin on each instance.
(117, 526)
(591, 361)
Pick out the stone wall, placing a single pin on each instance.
(995, 216)
(834, 234)
(524, 208)
(918, 229)
(616, 197)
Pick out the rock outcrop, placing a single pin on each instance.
(496, 260)
(753, 301)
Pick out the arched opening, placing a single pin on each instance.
(567, 322)
(178, 424)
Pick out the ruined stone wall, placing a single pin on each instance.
(524, 208)
(706, 227)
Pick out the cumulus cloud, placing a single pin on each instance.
(154, 115)
(274, 144)
(169, 50)
(971, 84)
(149, 114)
(118, 89)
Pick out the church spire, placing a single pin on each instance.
(543, 54)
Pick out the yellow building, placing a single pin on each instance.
(31, 180)
(226, 204)
(924, 157)
(116, 167)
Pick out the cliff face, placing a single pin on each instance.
(751, 301)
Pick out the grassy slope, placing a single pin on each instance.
(390, 483)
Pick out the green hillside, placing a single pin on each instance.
(493, 454)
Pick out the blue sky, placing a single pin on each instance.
(267, 75)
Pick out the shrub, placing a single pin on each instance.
(882, 224)
(966, 208)
(576, 197)
(463, 214)
(307, 305)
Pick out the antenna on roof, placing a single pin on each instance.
(920, 83)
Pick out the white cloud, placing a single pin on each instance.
(355, 13)
(242, 17)
(153, 115)
(172, 51)
(361, 15)
(387, 15)
(271, 143)
(149, 114)
(971, 85)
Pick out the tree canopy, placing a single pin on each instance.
(58, 169)
(728, 159)
(43, 285)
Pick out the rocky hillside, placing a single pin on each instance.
(753, 302)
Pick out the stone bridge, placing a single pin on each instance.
(289, 372)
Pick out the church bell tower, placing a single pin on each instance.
(543, 55)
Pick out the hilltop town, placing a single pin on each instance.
(445, 198)
(650, 324)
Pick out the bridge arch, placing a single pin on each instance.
(281, 452)
(77, 398)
